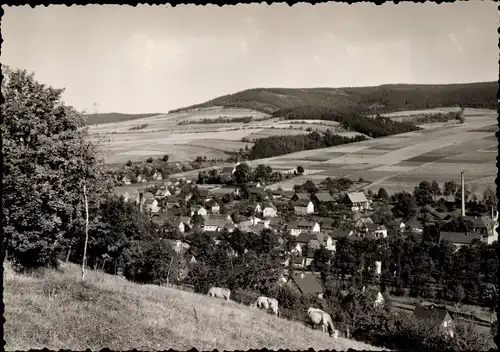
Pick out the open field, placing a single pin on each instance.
(400, 162)
(162, 134)
(55, 310)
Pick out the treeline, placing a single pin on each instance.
(378, 127)
(438, 117)
(279, 145)
(138, 127)
(244, 119)
(417, 97)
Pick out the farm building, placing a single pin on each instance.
(437, 316)
(303, 207)
(459, 239)
(258, 192)
(213, 206)
(356, 201)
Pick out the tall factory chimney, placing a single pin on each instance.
(463, 193)
(141, 200)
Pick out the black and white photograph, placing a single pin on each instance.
(250, 176)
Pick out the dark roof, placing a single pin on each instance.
(301, 203)
(297, 260)
(305, 237)
(477, 221)
(458, 237)
(215, 222)
(336, 234)
(324, 197)
(175, 223)
(174, 199)
(213, 234)
(303, 196)
(314, 244)
(308, 283)
(257, 190)
(268, 205)
(436, 315)
(204, 192)
(227, 169)
(288, 193)
(149, 201)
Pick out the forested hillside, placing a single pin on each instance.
(386, 98)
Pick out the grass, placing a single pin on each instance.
(55, 310)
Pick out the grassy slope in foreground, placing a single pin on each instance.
(97, 119)
(55, 310)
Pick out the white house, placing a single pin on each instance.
(151, 205)
(297, 228)
(356, 201)
(303, 207)
(178, 225)
(269, 210)
(380, 232)
(199, 210)
(214, 225)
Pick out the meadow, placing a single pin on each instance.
(55, 310)
(402, 161)
(163, 134)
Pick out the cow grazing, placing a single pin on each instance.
(219, 292)
(267, 303)
(318, 317)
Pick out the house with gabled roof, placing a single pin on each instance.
(198, 210)
(301, 196)
(211, 225)
(356, 201)
(296, 228)
(258, 191)
(151, 205)
(303, 207)
(162, 193)
(438, 317)
(459, 239)
(213, 206)
(269, 210)
(322, 198)
(177, 225)
(173, 200)
(307, 283)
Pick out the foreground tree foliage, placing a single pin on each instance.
(46, 163)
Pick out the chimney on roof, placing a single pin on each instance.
(463, 193)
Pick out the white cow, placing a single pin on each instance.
(318, 317)
(219, 292)
(267, 303)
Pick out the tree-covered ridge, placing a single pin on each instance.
(385, 98)
(279, 145)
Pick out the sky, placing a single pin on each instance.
(112, 58)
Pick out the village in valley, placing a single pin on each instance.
(310, 220)
(255, 176)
